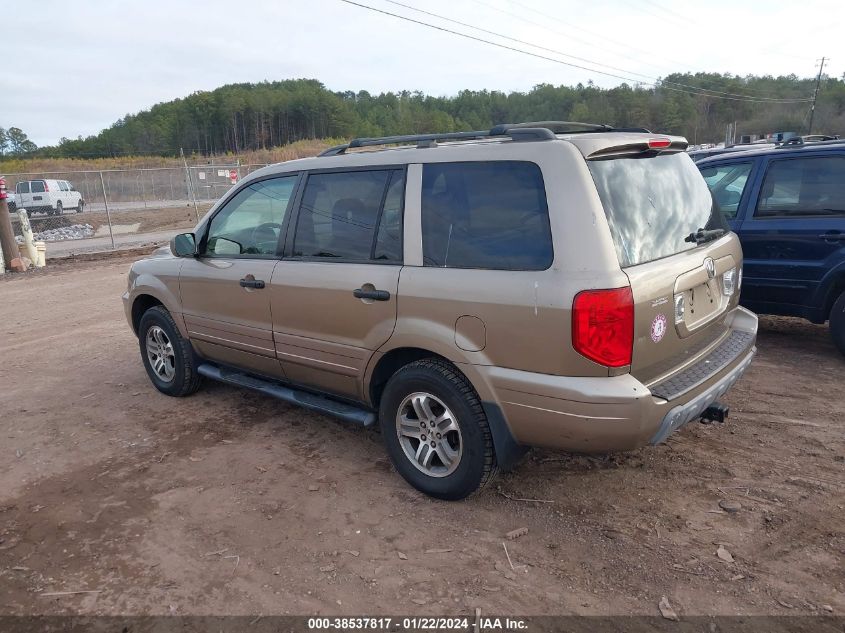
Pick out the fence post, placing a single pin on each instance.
(108, 214)
(190, 184)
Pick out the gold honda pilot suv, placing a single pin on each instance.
(553, 284)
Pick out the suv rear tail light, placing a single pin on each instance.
(603, 326)
(46, 186)
(659, 143)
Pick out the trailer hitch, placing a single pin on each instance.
(716, 412)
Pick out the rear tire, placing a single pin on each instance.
(166, 354)
(59, 209)
(12, 207)
(837, 323)
(435, 430)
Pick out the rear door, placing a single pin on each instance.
(225, 289)
(24, 198)
(729, 183)
(794, 231)
(334, 295)
(654, 204)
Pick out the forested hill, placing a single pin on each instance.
(241, 117)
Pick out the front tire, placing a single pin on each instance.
(166, 354)
(837, 323)
(435, 430)
(80, 207)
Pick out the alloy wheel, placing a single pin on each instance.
(429, 434)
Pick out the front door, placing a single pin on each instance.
(334, 296)
(225, 289)
(797, 228)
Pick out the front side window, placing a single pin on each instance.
(727, 183)
(341, 211)
(38, 186)
(251, 222)
(813, 186)
(488, 215)
(63, 185)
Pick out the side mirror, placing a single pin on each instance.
(184, 245)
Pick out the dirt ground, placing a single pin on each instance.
(229, 502)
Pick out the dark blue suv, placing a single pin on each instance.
(787, 204)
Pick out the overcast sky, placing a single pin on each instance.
(74, 68)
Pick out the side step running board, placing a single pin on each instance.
(342, 410)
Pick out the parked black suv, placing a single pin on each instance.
(787, 204)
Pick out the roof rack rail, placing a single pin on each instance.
(532, 131)
(557, 127)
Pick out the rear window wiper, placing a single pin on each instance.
(704, 235)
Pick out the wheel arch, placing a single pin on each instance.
(508, 451)
(140, 305)
(835, 287)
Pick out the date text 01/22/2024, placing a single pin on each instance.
(411, 624)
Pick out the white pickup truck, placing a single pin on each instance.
(46, 196)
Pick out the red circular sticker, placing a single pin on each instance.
(658, 328)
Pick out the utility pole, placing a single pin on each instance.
(815, 96)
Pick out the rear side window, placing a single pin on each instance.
(22, 187)
(652, 204)
(490, 215)
(37, 186)
(803, 187)
(341, 211)
(727, 183)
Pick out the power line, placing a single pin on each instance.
(627, 48)
(662, 84)
(669, 12)
(513, 39)
(589, 61)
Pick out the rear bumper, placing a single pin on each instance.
(681, 414)
(592, 414)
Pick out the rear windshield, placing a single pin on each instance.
(652, 204)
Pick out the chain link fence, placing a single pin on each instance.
(89, 211)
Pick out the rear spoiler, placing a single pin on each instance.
(628, 145)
